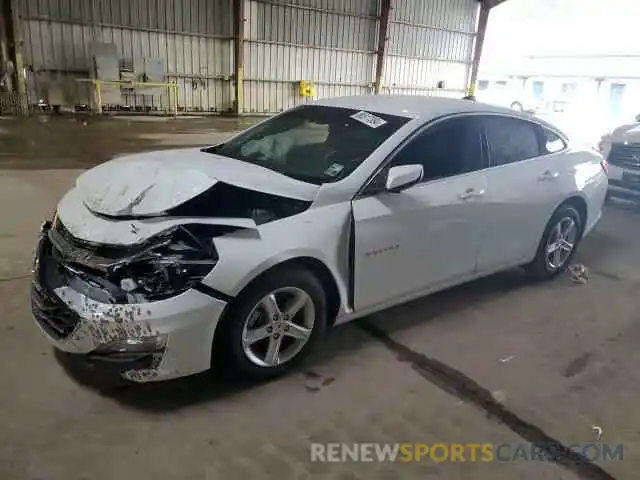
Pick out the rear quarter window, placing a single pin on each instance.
(551, 142)
(510, 140)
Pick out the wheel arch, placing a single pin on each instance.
(333, 286)
(580, 204)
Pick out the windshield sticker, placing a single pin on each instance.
(368, 119)
(334, 169)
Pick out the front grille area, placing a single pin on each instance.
(625, 155)
(86, 254)
(93, 256)
(51, 313)
(57, 319)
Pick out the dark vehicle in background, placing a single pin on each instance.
(621, 149)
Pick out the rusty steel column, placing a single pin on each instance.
(385, 13)
(4, 49)
(238, 57)
(14, 35)
(485, 8)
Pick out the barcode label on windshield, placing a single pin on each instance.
(368, 119)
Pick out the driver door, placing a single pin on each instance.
(428, 235)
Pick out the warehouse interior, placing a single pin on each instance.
(499, 361)
(246, 57)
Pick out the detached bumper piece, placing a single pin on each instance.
(129, 354)
(120, 363)
(130, 359)
(111, 369)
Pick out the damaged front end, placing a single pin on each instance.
(172, 251)
(99, 300)
(123, 286)
(159, 268)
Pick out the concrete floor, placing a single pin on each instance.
(498, 360)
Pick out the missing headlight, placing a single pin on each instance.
(180, 259)
(162, 267)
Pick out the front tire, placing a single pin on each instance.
(273, 325)
(558, 244)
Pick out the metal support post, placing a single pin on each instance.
(238, 33)
(385, 13)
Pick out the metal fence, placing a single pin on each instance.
(12, 103)
(192, 38)
(330, 43)
(431, 43)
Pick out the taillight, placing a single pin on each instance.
(605, 165)
(602, 148)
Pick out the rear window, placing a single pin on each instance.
(312, 143)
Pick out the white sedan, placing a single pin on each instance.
(160, 265)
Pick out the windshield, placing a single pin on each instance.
(313, 143)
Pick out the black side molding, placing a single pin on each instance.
(212, 292)
(351, 293)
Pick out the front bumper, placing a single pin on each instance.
(77, 324)
(623, 190)
(620, 187)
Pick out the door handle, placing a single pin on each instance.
(471, 193)
(548, 175)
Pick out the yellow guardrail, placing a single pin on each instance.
(98, 84)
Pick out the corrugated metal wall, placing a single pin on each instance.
(430, 42)
(331, 43)
(193, 38)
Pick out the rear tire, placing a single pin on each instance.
(558, 244)
(276, 325)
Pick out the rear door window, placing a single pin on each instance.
(510, 140)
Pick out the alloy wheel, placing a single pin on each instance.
(278, 327)
(561, 242)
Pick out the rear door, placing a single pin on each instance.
(523, 188)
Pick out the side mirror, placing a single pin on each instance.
(638, 118)
(403, 177)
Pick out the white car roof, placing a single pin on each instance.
(425, 108)
(414, 106)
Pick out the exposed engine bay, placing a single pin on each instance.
(228, 201)
(159, 268)
(166, 264)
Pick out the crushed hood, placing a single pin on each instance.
(151, 183)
